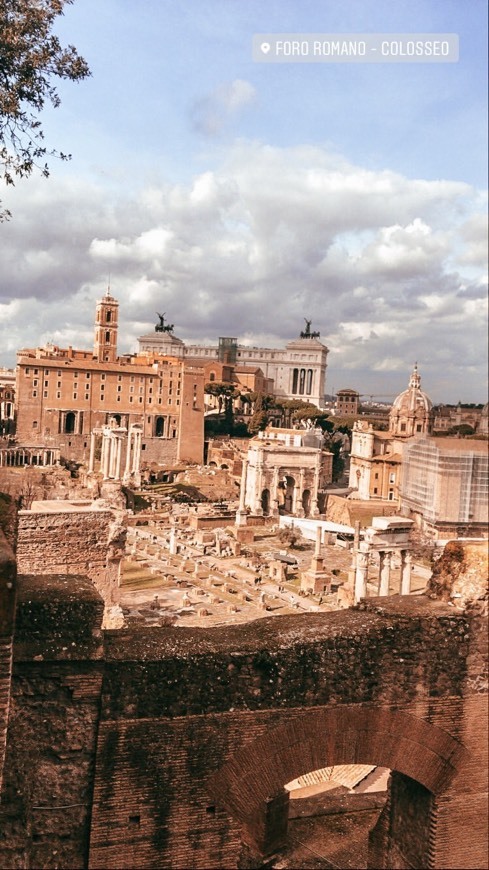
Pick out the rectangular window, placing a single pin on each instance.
(58, 395)
(75, 395)
(45, 394)
(34, 394)
(102, 377)
(46, 383)
(119, 389)
(87, 396)
(58, 385)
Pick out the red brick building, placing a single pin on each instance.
(62, 394)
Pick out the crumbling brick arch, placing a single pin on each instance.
(250, 786)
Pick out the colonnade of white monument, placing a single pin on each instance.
(113, 439)
(384, 572)
(20, 456)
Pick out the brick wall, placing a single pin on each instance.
(199, 729)
(54, 713)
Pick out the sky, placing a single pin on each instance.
(241, 197)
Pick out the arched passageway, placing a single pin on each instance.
(289, 494)
(424, 758)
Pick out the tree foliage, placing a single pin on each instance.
(31, 59)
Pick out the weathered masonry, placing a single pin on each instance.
(171, 747)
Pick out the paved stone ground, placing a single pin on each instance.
(332, 841)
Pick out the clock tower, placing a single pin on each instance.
(106, 317)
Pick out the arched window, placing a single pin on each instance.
(108, 316)
(107, 337)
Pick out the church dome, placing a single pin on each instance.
(412, 410)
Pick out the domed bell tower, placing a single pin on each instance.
(106, 317)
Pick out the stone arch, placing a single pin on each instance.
(250, 786)
(306, 502)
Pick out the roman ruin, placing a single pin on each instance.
(229, 663)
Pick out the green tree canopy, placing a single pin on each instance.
(31, 59)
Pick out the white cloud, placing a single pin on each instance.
(386, 267)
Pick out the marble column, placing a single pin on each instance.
(127, 468)
(406, 560)
(361, 576)
(241, 512)
(104, 457)
(385, 572)
(319, 537)
(274, 493)
(299, 493)
(257, 509)
(136, 457)
(112, 456)
(118, 456)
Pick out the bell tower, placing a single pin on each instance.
(106, 317)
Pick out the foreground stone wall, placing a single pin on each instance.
(8, 573)
(53, 719)
(170, 747)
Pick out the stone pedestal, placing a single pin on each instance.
(316, 579)
(244, 534)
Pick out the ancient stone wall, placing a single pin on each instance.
(86, 542)
(198, 729)
(54, 712)
(8, 573)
